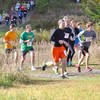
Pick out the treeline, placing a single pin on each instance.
(6, 4)
(92, 9)
(45, 5)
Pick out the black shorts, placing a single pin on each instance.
(10, 50)
(84, 50)
(25, 52)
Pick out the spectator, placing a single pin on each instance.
(78, 1)
(0, 19)
(25, 5)
(25, 14)
(28, 6)
(14, 20)
(22, 8)
(32, 4)
(20, 16)
(7, 19)
(17, 6)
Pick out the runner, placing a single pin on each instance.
(68, 38)
(71, 44)
(89, 36)
(26, 40)
(58, 51)
(79, 42)
(10, 46)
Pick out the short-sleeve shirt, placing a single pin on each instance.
(27, 36)
(9, 36)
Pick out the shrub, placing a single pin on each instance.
(92, 9)
(42, 5)
(6, 80)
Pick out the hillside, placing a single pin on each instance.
(47, 12)
(5, 5)
(46, 16)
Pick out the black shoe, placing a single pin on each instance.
(64, 76)
(44, 67)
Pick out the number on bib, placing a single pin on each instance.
(66, 36)
(29, 44)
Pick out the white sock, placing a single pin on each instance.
(33, 68)
(55, 67)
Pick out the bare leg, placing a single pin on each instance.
(79, 54)
(87, 59)
(16, 57)
(55, 68)
(6, 58)
(22, 62)
(81, 60)
(32, 54)
(63, 66)
(79, 63)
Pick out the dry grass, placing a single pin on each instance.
(43, 54)
(87, 88)
(75, 88)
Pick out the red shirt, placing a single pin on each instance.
(22, 8)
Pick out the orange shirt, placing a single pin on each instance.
(10, 38)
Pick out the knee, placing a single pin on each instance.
(23, 58)
(32, 54)
(83, 56)
(87, 55)
(64, 61)
(73, 52)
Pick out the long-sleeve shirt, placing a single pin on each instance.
(88, 36)
(58, 34)
(68, 34)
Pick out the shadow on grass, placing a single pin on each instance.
(9, 80)
(39, 82)
(95, 64)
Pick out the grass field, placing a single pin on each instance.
(80, 88)
(77, 87)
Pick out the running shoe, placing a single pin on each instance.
(78, 68)
(56, 71)
(33, 68)
(44, 67)
(88, 69)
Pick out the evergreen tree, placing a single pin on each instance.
(92, 9)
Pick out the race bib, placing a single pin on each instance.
(29, 44)
(88, 39)
(12, 43)
(66, 36)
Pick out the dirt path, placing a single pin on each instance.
(71, 75)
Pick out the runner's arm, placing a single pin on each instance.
(52, 37)
(94, 36)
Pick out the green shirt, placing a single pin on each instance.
(26, 36)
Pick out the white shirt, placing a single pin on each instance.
(32, 3)
(28, 5)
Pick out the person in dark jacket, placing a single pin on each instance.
(58, 51)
